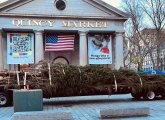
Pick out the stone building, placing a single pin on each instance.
(30, 30)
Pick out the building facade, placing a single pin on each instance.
(147, 63)
(35, 30)
(150, 36)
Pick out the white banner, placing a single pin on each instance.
(20, 48)
(100, 49)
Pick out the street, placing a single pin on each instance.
(88, 108)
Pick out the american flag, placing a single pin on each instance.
(59, 43)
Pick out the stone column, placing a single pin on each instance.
(1, 51)
(119, 51)
(39, 46)
(83, 56)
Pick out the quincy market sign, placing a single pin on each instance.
(67, 23)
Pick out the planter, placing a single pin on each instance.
(28, 100)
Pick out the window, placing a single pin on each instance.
(60, 4)
(161, 54)
(143, 63)
(154, 55)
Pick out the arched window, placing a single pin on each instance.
(61, 59)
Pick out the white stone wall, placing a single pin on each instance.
(73, 7)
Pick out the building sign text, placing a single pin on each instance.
(64, 23)
(40, 23)
(85, 24)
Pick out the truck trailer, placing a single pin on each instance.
(59, 80)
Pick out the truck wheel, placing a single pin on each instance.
(3, 99)
(150, 95)
(163, 95)
(136, 96)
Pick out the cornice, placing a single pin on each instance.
(61, 17)
(12, 4)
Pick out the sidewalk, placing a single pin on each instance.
(88, 108)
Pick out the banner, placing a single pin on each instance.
(20, 48)
(100, 49)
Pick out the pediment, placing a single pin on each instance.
(74, 8)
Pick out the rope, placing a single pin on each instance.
(24, 80)
(50, 78)
(8, 80)
(18, 81)
(141, 83)
(79, 72)
(63, 70)
(115, 82)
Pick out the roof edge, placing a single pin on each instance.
(111, 8)
(9, 3)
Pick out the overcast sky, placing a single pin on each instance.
(2, 1)
(115, 3)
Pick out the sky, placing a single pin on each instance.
(115, 3)
(2, 1)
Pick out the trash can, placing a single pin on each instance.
(28, 100)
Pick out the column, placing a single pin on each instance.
(39, 46)
(83, 56)
(1, 51)
(119, 51)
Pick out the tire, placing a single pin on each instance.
(163, 95)
(136, 96)
(4, 100)
(150, 95)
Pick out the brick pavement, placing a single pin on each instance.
(88, 108)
